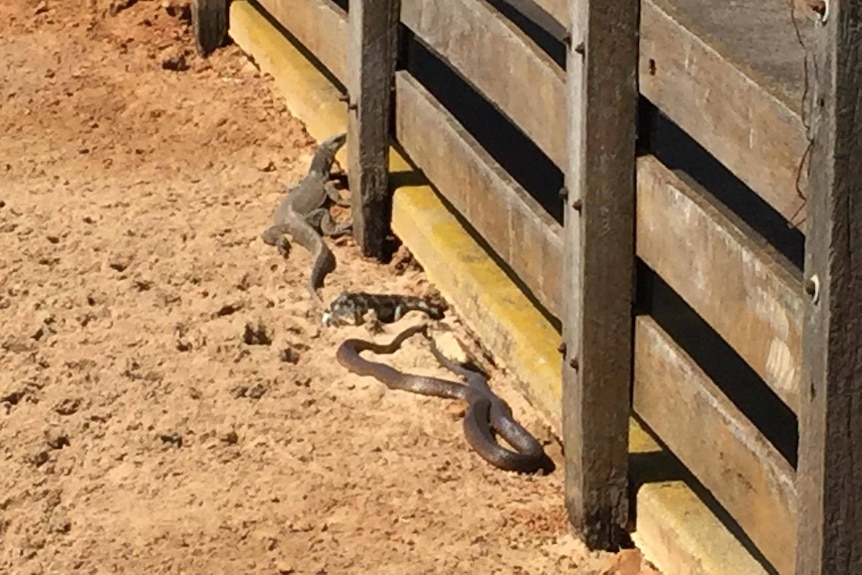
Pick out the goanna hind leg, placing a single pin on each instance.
(333, 194)
(321, 220)
(274, 236)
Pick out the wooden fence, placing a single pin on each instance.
(774, 102)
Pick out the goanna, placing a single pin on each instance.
(303, 214)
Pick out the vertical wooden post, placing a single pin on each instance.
(371, 55)
(829, 479)
(599, 264)
(209, 21)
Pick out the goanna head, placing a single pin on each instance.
(334, 143)
(325, 154)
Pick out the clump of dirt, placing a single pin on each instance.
(169, 402)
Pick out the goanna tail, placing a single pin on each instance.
(324, 261)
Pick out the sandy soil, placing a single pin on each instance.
(168, 400)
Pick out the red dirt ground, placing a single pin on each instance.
(144, 425)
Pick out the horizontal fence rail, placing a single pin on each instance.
(320, 25)
(502, 212)
(726, 452)
(751, 125)
(746, 291)
(733, 78)
(524, 83)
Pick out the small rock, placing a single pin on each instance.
(179, 10)
(173, 438)
(450, 347)
(455, 410)
(230, 437)
(284, 568)
(175, 61)
(41, 8)
(267, 167)
(289, 355)
(118, 6)
(183, 344)
(119, 262)
(256, 335)
(16, 344)
(403, 261)
(41, 332)
(257, 391)
(626, 562)
(372, 324)
(60, 525)
(229, 308)
(68, 406)
(56, 438)
(40, 459)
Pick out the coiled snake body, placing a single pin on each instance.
(485, 410)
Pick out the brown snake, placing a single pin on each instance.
(486, 412)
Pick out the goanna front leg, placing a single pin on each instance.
(321, 220)
(274, 236)
(333, 194)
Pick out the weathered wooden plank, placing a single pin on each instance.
(559, 9)
(320, 25)
(598, 264)
(757, 36)
(373, 46)
(746, 117)
(516, 74)
(727, 453)
(509, 219)
(539, 13)
(743, 288)
(830, 509)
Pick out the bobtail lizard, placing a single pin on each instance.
(351, 307)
